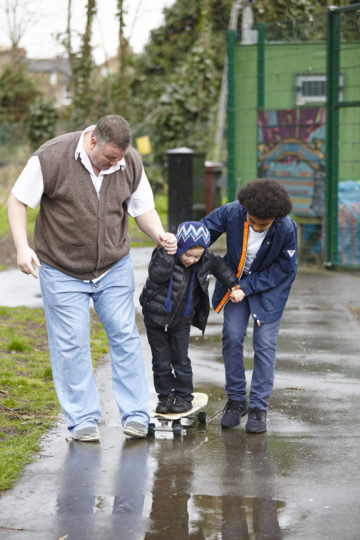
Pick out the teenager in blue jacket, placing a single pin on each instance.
(262, 248)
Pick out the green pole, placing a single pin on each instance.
(231, 115)
(332, 135)
(260, 76)
(261, 67)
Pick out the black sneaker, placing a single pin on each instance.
(233, 411)
(181, 405)
(164, 404)
(256, 422)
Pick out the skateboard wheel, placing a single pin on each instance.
(177, 429)
(202, 417)
(151, 429)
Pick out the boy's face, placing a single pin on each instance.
(257, 224)
(191, 256)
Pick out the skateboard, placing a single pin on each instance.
(166, 426)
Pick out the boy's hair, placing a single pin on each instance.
(265, 199)
(196, 246)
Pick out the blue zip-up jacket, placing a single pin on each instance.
(273, 270)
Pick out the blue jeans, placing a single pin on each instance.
(236, 318)
(66, 304)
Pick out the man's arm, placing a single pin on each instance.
(150, 224)
(27, 260)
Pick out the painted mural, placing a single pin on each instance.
(349, 223)
(291, 149)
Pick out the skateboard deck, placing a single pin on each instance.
(171, 424)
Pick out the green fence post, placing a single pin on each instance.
(332, 134)
(261, 67)
(231, 115)
(260, 76)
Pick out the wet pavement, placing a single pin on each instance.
(300, 480)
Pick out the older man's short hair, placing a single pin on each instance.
(113, 129)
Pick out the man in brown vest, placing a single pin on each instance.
(87, 183)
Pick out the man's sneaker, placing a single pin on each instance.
(164, 404)
(181, 405)
(87, 434)
(256, 422)
(232, 413)
(135, 429)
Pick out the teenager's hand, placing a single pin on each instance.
(237, 295)
(169, 242)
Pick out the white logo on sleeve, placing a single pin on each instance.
(291, 252)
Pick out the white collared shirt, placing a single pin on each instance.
(29, 187)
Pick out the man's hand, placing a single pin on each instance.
(169, 242)
(237, 295)
(28, 261)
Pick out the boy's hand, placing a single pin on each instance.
(237, 295)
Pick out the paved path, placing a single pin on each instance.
(299, 481)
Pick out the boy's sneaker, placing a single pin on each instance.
(135, 429)
(87, 434)
(164, 404)
(181, 405)
(232, 413)
(256, 422)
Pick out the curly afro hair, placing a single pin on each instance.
(265, 199)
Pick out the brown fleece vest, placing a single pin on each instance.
(76, 232)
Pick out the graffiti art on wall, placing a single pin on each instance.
(349, 223)
(291, 149)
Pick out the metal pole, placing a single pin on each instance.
(231, 116)
(261, 67)
(332, 135)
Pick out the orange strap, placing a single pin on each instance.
(240, 267)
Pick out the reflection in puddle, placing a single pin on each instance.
(89, 502)
(199, 494)
(230, 517)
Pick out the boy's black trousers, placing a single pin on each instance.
(170, 362)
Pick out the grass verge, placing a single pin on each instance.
(28, 403)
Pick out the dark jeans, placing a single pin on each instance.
(236, 318)
(171, 364)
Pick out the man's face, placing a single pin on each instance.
(105, 156)
(257, 224)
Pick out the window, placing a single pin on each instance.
(53, 78)
(311, 88)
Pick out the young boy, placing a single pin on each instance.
(174, 297)
(261, 246)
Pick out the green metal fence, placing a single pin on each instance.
(343, 137)
(278, 120)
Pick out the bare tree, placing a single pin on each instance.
(19, 16)
(122, 55)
